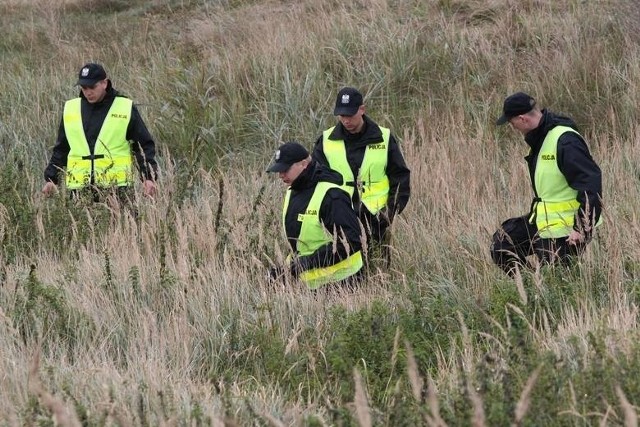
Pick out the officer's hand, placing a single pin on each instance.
(49, 189)
(384, 217)
(275, 273)
(296, 267)
(149, 188)
(575, 237)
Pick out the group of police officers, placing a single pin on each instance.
(342, 198)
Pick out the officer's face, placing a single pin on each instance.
(95, 93)
(293, 172)
(353, 124)
(525, 123)
(520, 124)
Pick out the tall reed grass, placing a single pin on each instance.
(166, 318)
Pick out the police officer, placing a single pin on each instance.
(370, 161)
(567, 185)
(98, 133)
(319, 221)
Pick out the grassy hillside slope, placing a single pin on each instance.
(167, 318)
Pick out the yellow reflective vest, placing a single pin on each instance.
(372, 182)
(557, 205)
(313, 236)
(111, 163)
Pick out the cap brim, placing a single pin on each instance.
(502, 120)
(278, 167)
(87, 82)
(345, 111)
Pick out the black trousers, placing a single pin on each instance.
(376, 228)
(516, 239)
(124, 195)
(119, 198)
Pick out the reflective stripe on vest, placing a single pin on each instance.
(317, 277)
(373, 182)
(557, 205)
(111, 163)
(313, 236)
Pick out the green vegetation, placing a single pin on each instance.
(166, 318)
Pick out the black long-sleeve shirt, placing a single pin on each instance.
(574, 161)
(93, 116)
(356, 145)
(336, 214)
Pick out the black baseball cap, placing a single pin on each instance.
(91, 74)
(286, 155)
(347, 102)
(515, 105)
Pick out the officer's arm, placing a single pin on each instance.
(59, 156)
(399, 179)
(583, 175)
(142, 145)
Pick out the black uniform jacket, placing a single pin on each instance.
(575, 163)
(356, 144)
(336, 214)
(93, 116)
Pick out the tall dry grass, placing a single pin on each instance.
(168, 318)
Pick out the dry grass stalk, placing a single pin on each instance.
(292, 344)
(435, 420)
(396, 347)
(394, 356)
(520, 286)
(172, 422)
(118, 417)
(363, 411)
(467, 346)
(61, 414)
(478, 418)
(272, 420)
(630, 414)
(414, 374)
(525, 397)
(604, 421)
(520, 313)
